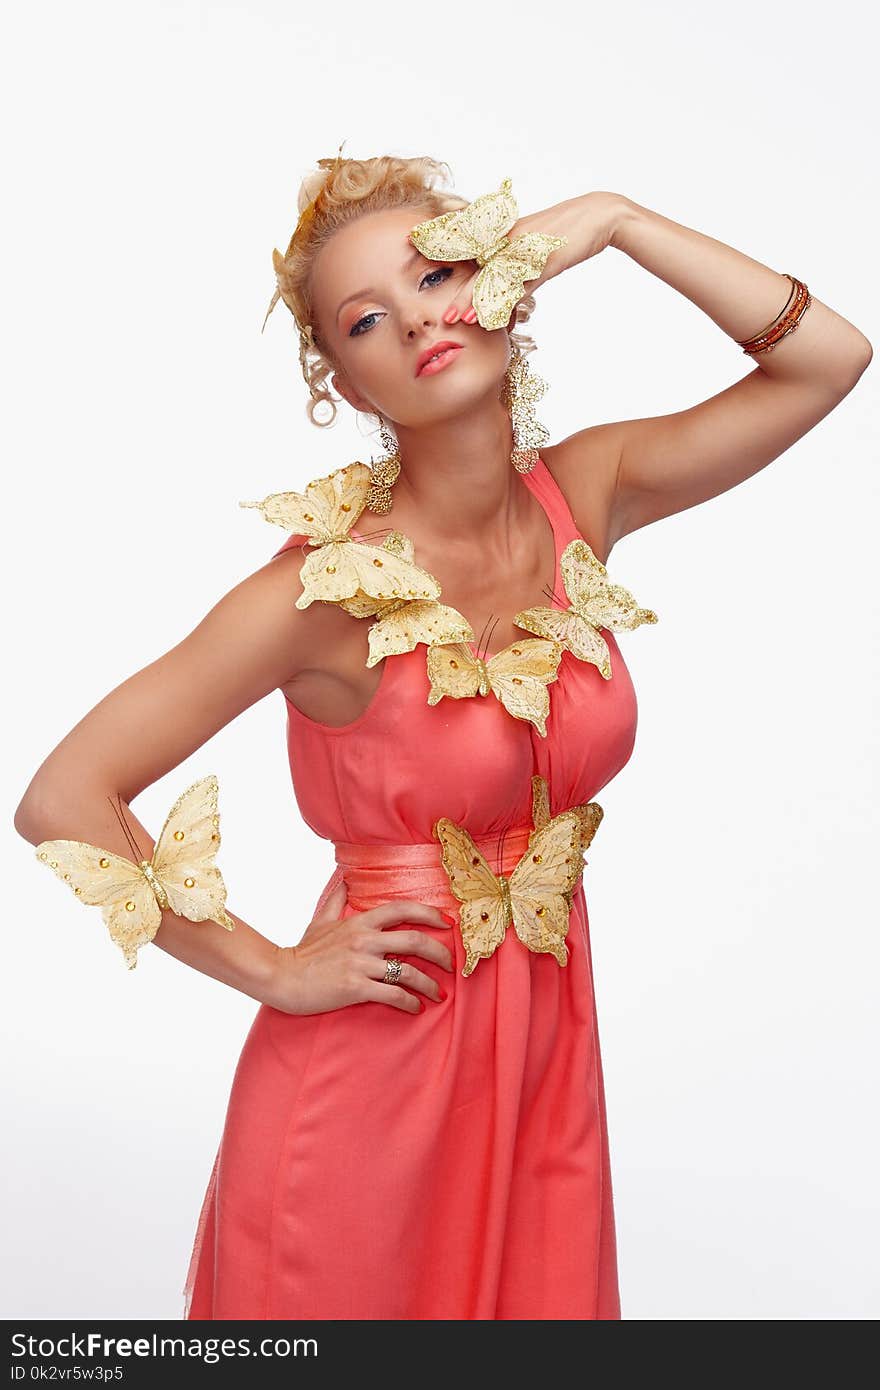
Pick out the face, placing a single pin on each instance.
(378, 303)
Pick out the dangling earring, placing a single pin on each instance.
(520, 389)
(384, 473)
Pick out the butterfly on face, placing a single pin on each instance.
(595, 603)
(518, 676)
(536, 896)
(181, 876)
(402, 623)
(479, 232)
(341, 567)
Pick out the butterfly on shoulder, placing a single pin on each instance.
(401, 624)
(536, 896)
(518, 676)
(342, 566)
(595, 603)
(180, 877)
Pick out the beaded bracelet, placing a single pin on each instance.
(786, 321)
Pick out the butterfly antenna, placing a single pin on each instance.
(479, 643)
(501, 840)
(378, 531)
(488, 638)
(554, 597)
(132, 842)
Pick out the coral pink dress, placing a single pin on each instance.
(452, 1164)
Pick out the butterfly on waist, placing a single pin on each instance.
(536, 896)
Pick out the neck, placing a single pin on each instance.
(458, 472)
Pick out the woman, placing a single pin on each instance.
(455, 1166)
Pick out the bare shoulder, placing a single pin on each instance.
(585, 467)
(248, 644)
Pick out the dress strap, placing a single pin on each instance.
(552, 498)
(289, 544)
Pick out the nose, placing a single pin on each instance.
(417, 319)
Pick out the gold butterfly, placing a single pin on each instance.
(402, 623)
(342, 567)
(518, 676)
(181, 876)
(536, 896)
(479, 232)
(595, 603)
(590, 814)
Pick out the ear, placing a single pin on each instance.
(341, 384)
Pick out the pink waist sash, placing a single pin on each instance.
(372, 870)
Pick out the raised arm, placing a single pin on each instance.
(622, 475)
(671, 462)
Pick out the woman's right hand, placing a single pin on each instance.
(341, 960)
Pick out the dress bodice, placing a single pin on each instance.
(386, 776)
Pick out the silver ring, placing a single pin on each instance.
(393, 967)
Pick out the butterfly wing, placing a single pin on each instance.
(500, 285)
(362, 605)
(422, 620)
(542, 884)
(183, 859)
(483, 914)
(570, 630)
(327, 509)
(519, 676)
(592, 595)
(342, 569)
(540, 803)
(111, 882)
(453, 670)
(468, 232)
(590, 817)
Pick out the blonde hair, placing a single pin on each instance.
(337, 192)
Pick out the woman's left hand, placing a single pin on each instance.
(588, 223)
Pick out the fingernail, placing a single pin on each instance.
(442, 993)
(470, 316)
(449, 316)
(447, 917)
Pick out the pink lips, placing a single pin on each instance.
(428, 364)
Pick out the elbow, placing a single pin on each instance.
(862, 358)
(33, 813)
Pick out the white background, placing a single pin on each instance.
(153, 156)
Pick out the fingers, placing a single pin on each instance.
(467, 313)
(395, 995)
(405, 910)
(410, 978)
(462, 306)
(413, 943)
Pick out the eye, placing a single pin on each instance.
(443, 270)
(364, 325)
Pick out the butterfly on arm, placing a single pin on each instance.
(180, 877)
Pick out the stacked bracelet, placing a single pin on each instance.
(785, 322)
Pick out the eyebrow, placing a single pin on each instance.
(363, 294)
